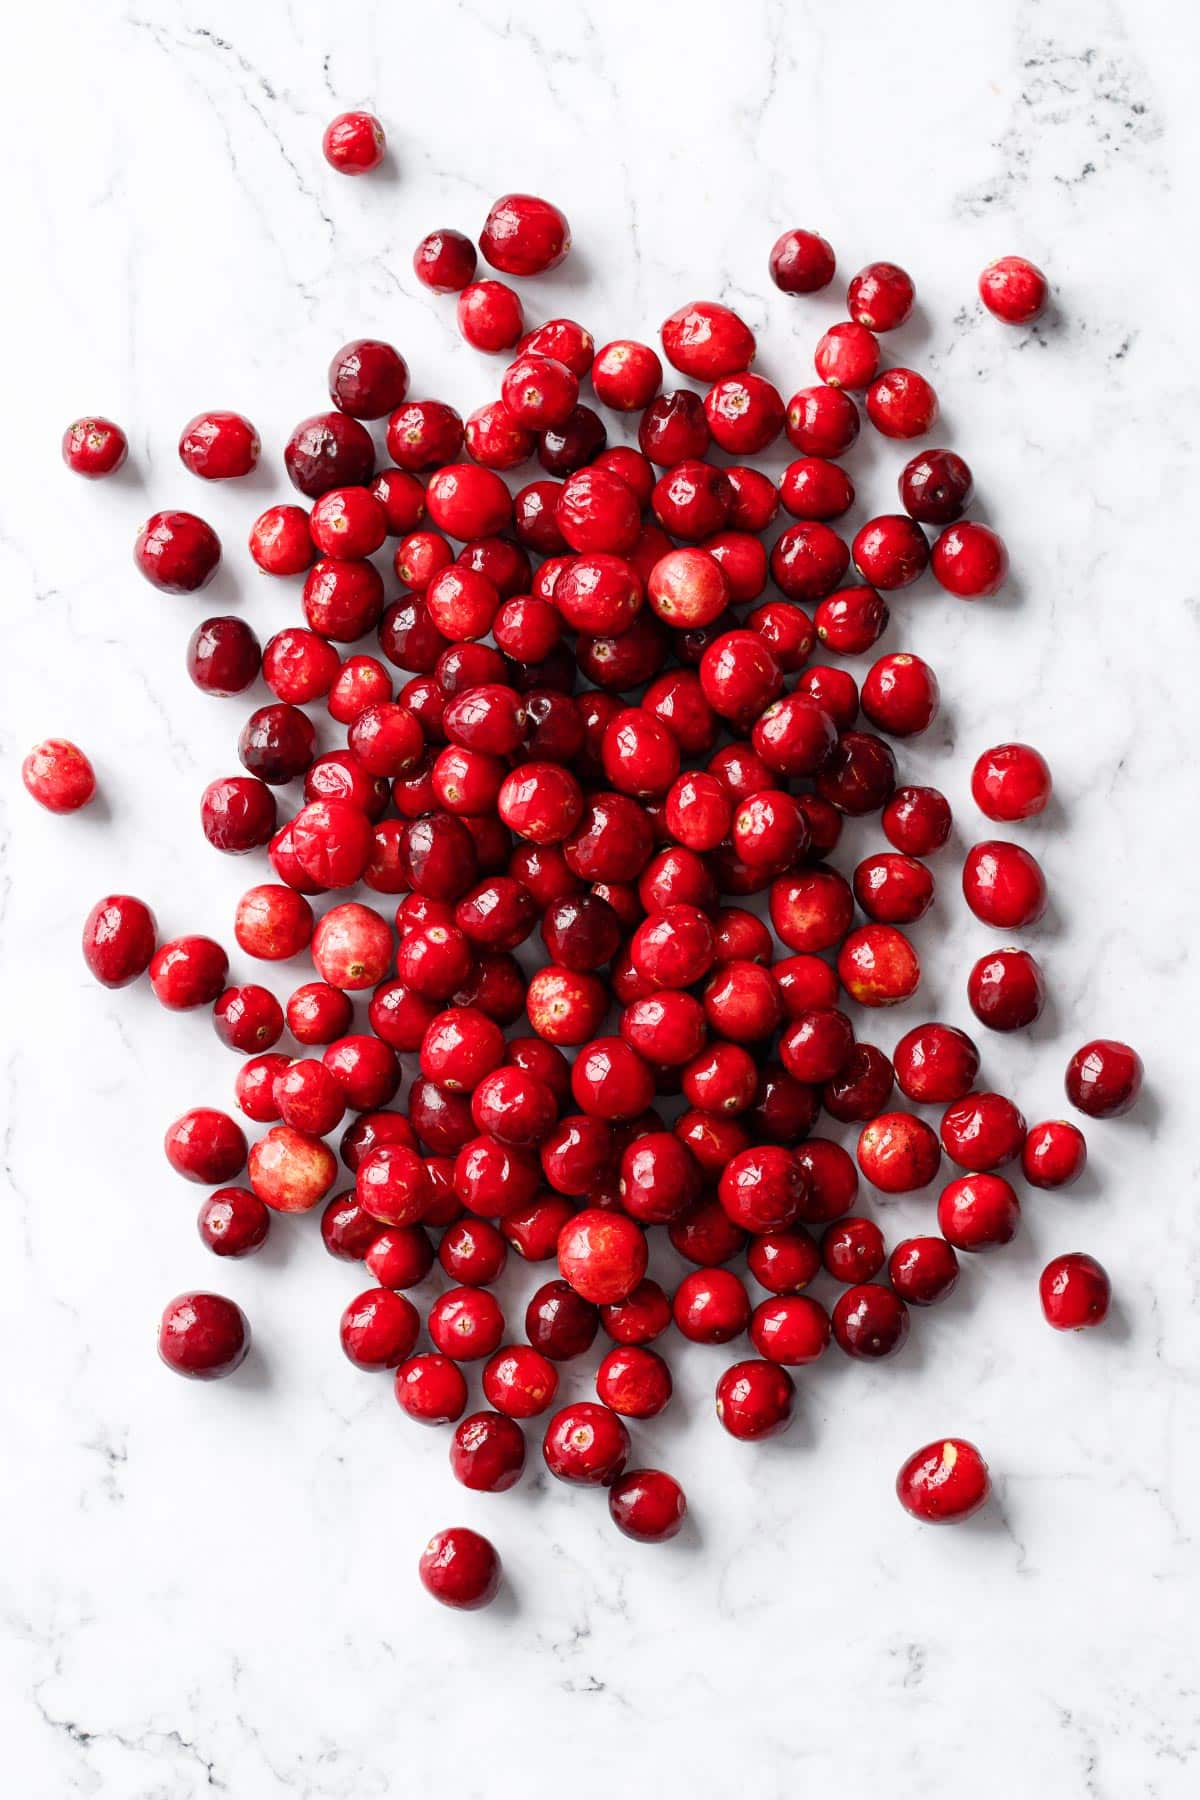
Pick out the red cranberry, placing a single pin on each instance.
(368, 379)
(847, 356)
(982, 1131)
(634, 1382)
(808, 560)
(1011, 782)
(248, 1018)
(706, 340)
(880, 296)
(870, 1321)
(445, 261)
(188, 972)
(944, 1482)
(641, 1317)
(233, 1222)
(1075, 1292)
(518, 1381)
(237, 814)
(878, 966)
(647, 1505)
(801, 262)
(898, 1153)
(460, 1569)
(490, 316)
(254, 1086)
(1013, 290)
(379, 1329)
(978, 1212)
(792, 1330)
(586, 1444)
(817, 1045)
(203, 1336)
(1104, 1078)
(755, 1400)
(821, 421)
(813, 488)
(431, 1389)
(853, 1250)
(399, 1257)
(602, 1255)
(332, 842)
(206, 1146)
(626, 375)
(935, 1064)
(935, 486)
(851, 620)
(706, 1235)
(422, 434)
(281, 542)
(901, 404)
(524, 235)
(487, 1452)
(711, 1306)
(578, 440)
(291, 1171)
(272, 923)
(893, 890)
(223, 656)
(862, 1087)
(674, 428)
(177, 552)
(1054, 1154)
(277, 744)
(58, 775)
(1003, 885)
(890, 551)
(94, 447)
(784, 1262)
(811, 911)
(402, 498)
(969, 560)
(917, 820)
(298, 666)
(762, 1189)
(348, 523)
(745, 413)
(923, 1270)
(354, 143)
(900, 695)
(327, 451)
(219, 446)
(466, 1323)
(1006, 990)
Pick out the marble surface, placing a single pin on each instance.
(213, 1589)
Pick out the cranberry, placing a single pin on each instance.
(277, 744)
(308, 1098)
(811, 911)
(642, 1316)
(674, 428)
(397, 1258)
(354, 143)
(711, 1306)
(978, 1212)
(233, 1222)
(299, 666)
(762, 1189)
(944, 1482)
(982, 1131)
(223, 656)
(862, 1088)
(1003, 885)
(878, 966)
(969, 560)
(460, 1569)
(784, 1262)
(853, 1250)
(329, 450)
(935, 1064)
(281, 542)
(203, 1336)
(880, 296)
(851, 620)
(332, 842)
(581, 437)
(586, 1444)
(1006, 990)
(917, 820)
(1075, 1292)
(1013, 290)
(1104, 1078)
(706, 341)
(254, 1086)
(602, 1255)
(923, 1270)
(402, 498)
(565, 341)
(219, 446)
(445, 261)
(422, 434)
(431, 1389)
(808, 560)
(893, 890)
(524, 235)
(188, 972)
(792, 1330)
(519, 1381)
(291, 1171)
(368, 379)
(272, 923)
(821, 421)
(177, 552)
(847, 356)
(647, 1505)
(935, 486)
(813, 488)
(94, 447)
(801, 262)
(706, 1235)
(348, 523)
(901, 404)
(898, 1153)
(466, 1323)
(626, 375)
(1011, 781)
(248, 1018)
(490, 316)
(870, 1321)
(755, 1400)
(1054, 1154)
(207, 1146)
(890, 551)
(745, 413)
(816, 1046)
(634, 1382)
(379, 1329)
(487, 1452)
(58, 776)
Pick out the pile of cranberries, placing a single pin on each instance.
(576, 854)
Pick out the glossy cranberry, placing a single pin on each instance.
(342, 600)
(602, 1255)
(813, 488)
(892, 889)
(490, 316)
(898, 1153)
(308, 1098)
(254, 1086)
(1013, 290)
(851, 620)
(188, 972)
(277, 743)
(219, 446)
(431, 1389)
(808, 561)
(223, 656)
(94, 447)
(923, 1270)
(329, 450)
(460, 1569)
(626, 375)
(1075, 1292)
(944, 1482)
(762, 1189)
(402, 498)
(248, 1018)
(1003, 885)
(487, 1452)
(674, 428)
(466, 1323)
(1104, 1078)
(916, 820)
(817, 1045)
(518, 1381)
(969, 560)
(741, 936)
(578, 440)
(298, 666)
(647, 1505)
(379, 1329)
(706, 341)
(1006, 990)
(348, 1233)
(368, 379)
(801, 262)
(281, 542)
(982, 1131)
(348, 523)
(784, 1262)
(233, 1222)
(373, 1131)
(392, 1185)
(755, 1400)
(1054, 1154)
(853, 1250)
(706, 1235)
(821, 421)
(791, 1330)
(745, 413)
(901, 404)
(641, 1317)
(935, 1064)
(935, 487)
(332, 842)
(354, 143)
(496, 439)
(291, 1171)
(870, 1321)
(880, 296)
(862, 1087)
(177, 552)
(272, 923)
(847, 356)
(805, 982)
(206, 1146)
(811, 910)
(445, 261)
(890, 551)
(878, 966)
(1011, 781)
(58, 775)
(900, 695)
(237, 814)
(203, 1336)
(634, 1382)
(978, 1212)
(586, 1444)
(711, 1306)
(524, 235)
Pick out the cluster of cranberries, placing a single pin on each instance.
(590, 724)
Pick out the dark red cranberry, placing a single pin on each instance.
(880, 296)
(1104, 1078)
(177, 552)
(674, 428)
(203, 1336)
(923, 1270)
(233, 1222)
(935, 487)
(944, 1482)
(1075, 1292)
(460, 1569)
(870, 1321)
(917, 821)
(1006, 990)
(223, 656)
(647, 1505)
(327, 451)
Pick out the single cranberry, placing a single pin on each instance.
(755, 1400)
(490, 316)
(354, 143)
(466, 1323)
(519, 1381)
(801, 262)
(706, 1235)
(935, 1064)
(431, 1389)
(1104, 1078)
(237, 814)
(853, 1250)
(523, 235)
(923, 1270)
(982, 1131)
(348, 1233)
(233, 1222)
(460, 1569)
(445, 261)
(586, 1444)
(935, 486)
(272, 923)
(978, 1212)
(348, 523)
(58, 775)
(332, 842)
(812, 910)
(368, 379)
(880, 296)
(329, 450)
(223, 656)
(944, 1482)
(878, 966)
(94, 447)
(277, 743)
(219, 446)
(795, 736)
(379, 1329)
(578, 440)
(851, 620)
(706, 341)
(1011, 781)
(1054, 1154)
(203, 1336)
(634, 1382)
(890, 551)
(281, 542)
(298, 666)
(898, 1153)
(647, 1505)
(308, 1098)
(814, 488)
(821, 421)
(755, 499)
(900, 695)
(901, 404)
(291, 1171)
(969, 560)
(763, 1188)
(870, 1321)
(248, 1018)
(917, 820)
(808, 560)
(487, 1452)
(602, 1255)
(711, 1306)
(817, 1045)
(421, 434)
(792, 1330)
(641, 1317)
(893, 889)
(402, 498)
(254, 1086)
(1003, 885)
(1075, 1292)
(745, 413)
(862, 1087)
(206, 1146)
(1006, 990)
(1013, 290)
(177, 552)
(188, 972)
(626, 375)
(784, 1262)
(674, 428)
(847, 356)
(342, 600)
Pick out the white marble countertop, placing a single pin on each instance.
(212, 1589)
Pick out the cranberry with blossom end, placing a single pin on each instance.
(1003, 885)
(431, 1389)
(233, 1222)
(379, 1329)
(1011, 781)
(58, 776)
(944, 1482)
(177, 552)
(1006, 990)
(203, 1336)
(519, 1381)
(487, 1452)
(792, 1330)
(763, 1189)
(847, 356)
(647, 1505)
(94, 447)
(460, 1569)
(969, 560)
(917, 820)
(901, 404)
(248, 1018)
(1075, 1292)
(870, 1322)
(1054, 1154)
(634, 1382)
(900, 695)
(1104, 1078)
(755, 1400)
(744, 412)
(878, 966)
(801, 262)
(979, 1212)
(880, 296)
(538, 392)
(923, 1270)
(898, 1153)
(354, 143)
(348, 523)
(626, 375)
(935, 1064)
(586, 1444)
(445, 261)
(935, 486)
(982, 1131)
(329, 450)
(602, 1255)
(890, 551)
(1013, 290)
(706, 340)
(206, 1146)
(466, 1323)
(219, 446)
